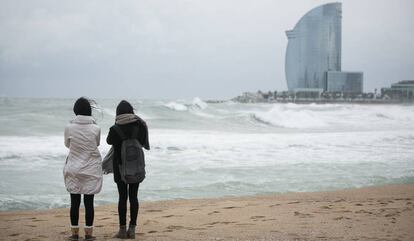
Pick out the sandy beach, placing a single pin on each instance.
(373, 213)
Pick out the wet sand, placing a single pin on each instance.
(374, 213)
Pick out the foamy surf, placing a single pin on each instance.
(214, 150)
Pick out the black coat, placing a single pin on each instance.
(115, 140)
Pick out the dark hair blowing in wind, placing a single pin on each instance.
(82, 107)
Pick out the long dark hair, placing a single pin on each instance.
(86, 106)
(124, 107)
(82, 107)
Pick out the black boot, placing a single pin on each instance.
(122, 233)
(131, 231)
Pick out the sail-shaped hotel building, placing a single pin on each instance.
(313, 55)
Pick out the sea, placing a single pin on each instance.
(205, 150)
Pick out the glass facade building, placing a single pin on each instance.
(338, 81)
(314, 49)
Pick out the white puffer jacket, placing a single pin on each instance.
(83, 169)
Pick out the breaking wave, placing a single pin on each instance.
(201, 149)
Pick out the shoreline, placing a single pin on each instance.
(217, 101)
(369, 213)
(323, 102)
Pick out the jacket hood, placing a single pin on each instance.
(83, 119)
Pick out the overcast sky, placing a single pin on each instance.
(184, 48)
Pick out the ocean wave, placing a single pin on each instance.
(260, 121)
(30, 202)
(203, 114)
(215, 149)
(197, 102)
(51, 116)
(40, 202)
(176, 106)
(400, 140)
(110, 112)
(333, 116)
(190, 164)
(182, 105)
(290, 118)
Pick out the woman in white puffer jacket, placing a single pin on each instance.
(83, 169)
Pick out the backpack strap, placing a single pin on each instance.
(120, 132)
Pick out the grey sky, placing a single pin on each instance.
(182, 49)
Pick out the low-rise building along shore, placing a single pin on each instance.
(401, 92)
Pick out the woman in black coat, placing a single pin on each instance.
(127, 121)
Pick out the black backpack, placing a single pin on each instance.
(132, 167)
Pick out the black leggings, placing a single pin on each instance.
(123, 190)
(75, 200)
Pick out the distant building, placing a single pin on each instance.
(403, 90)
(250, 97)
(307, 93)
(313, 55)
(349, 82)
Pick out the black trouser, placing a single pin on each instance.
(123, 191)
(75, 200)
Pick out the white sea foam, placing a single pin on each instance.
(336, 116)
(110, 112)
(176, 106)
(291, 118)
(180, 105)
(221, 149)
(197, 102)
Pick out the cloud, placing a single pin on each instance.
(180, 48)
